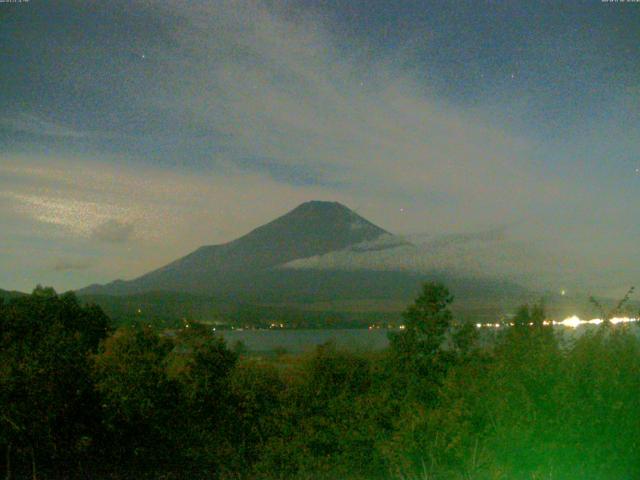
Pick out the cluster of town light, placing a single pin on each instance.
(378, 327)
(572, 322)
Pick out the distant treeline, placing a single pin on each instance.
(165, 309)
(81, 399)
(172, 310)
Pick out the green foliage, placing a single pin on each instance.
(139, 401)
(418, 352)
(257, 390)
(167, 404)
(79, 401)
(47, 404)
(426, 323)
(327, 422)
(209, 431)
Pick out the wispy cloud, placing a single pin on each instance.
(77, 216)
(36, 125)
(113, 231)
(70, 265)
(294, 93)
(134, 218)
(488, 254)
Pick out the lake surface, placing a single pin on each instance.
(296, 341)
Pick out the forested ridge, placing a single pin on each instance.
(80, 398)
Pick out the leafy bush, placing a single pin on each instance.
(78, 400)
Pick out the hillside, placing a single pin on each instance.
(271, 273)
(313, 228)
(9, 294)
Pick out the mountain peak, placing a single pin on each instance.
(321, 205)
(315, 210)
(314, 225)
(312, 228)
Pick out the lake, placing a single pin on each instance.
(302, 340)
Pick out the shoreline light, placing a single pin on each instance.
(570, 322)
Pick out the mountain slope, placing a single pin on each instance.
(320, 256)
(8, 295)
(311, 229)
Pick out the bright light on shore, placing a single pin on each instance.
(571, 322)
(616, 320)
(576, 322)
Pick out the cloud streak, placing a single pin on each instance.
(113, 231)
(34, 124)
(291, 92)
(70, 265)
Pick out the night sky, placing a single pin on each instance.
(133, 132)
